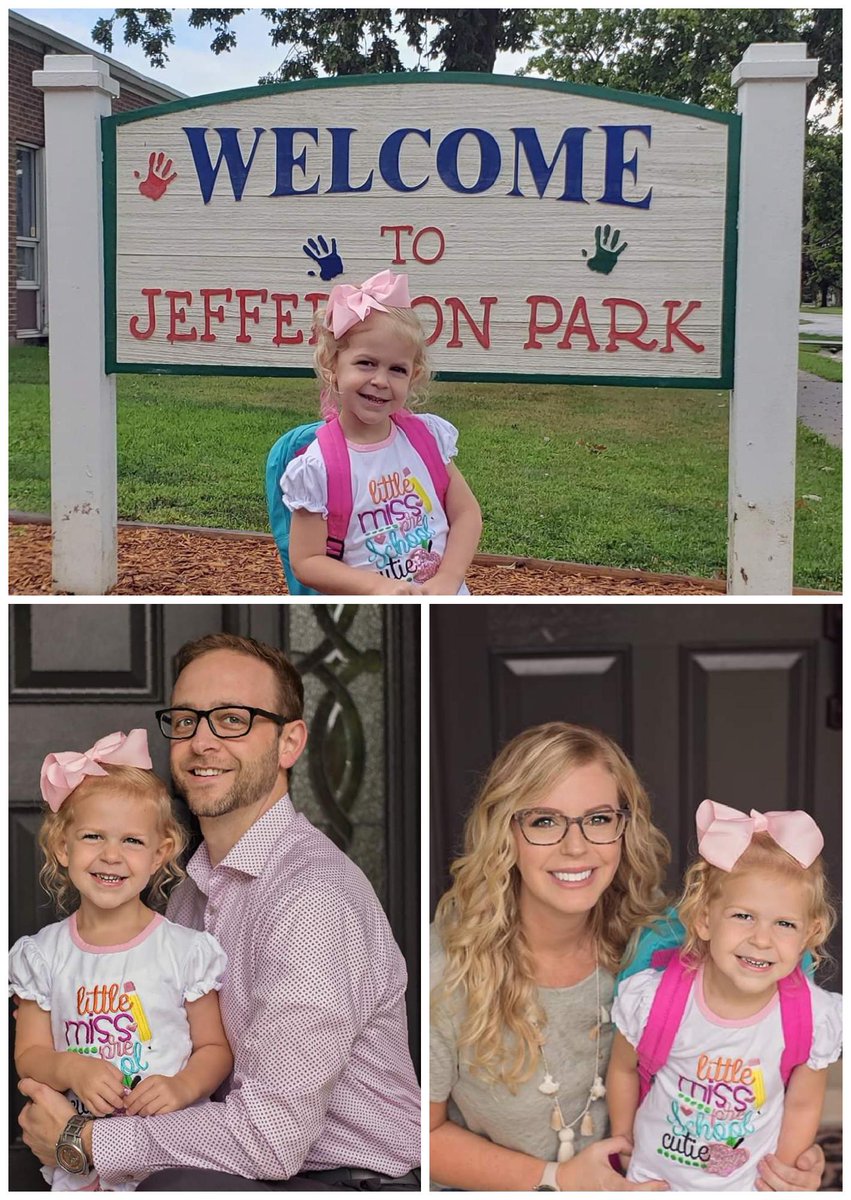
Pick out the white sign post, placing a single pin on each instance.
(78, 91)
(772, 81)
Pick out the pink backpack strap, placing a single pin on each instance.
(796, 1015)
(423, 440)
(663, 1021)
(338, 475)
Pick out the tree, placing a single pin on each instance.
(346, 41)
(685, 53)
(822, 259)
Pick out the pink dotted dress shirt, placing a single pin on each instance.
(313, 1007)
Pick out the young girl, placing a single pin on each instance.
(753, 903)
(117, 1006)
(414, 524)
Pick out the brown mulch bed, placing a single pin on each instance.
(165, 562)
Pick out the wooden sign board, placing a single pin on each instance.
(551, 232)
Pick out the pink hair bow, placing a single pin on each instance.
(724, 834)
(348, 305)
(62, 772)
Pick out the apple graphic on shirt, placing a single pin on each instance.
(424, 563)
(726, 1157)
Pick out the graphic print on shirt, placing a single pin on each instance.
(713, 1114)
(112, 1025)
(397, 527)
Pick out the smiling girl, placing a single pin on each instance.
(117, 1006)
(748, 1036)
(414, 524)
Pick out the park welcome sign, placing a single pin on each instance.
(549, 231)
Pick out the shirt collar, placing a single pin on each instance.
(251, 853)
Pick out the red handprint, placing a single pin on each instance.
(154, 187)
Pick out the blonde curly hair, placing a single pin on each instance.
(406, 324)
(703, 884)
(488, 964)
(124, 783)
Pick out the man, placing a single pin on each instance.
(323, 1093)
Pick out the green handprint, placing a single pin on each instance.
(608, 250)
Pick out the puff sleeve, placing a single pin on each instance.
(29, 975)
(632, 1004)
(205, 967)
(827, 1029)
(304, 484)
(444, 434)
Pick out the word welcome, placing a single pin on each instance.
(296, 174)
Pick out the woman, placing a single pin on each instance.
(561, 866)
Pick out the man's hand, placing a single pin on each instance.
(98, 1083)
(805, 1176)
(43, 1119)
(155, 1095)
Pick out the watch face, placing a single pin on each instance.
(71, 1159)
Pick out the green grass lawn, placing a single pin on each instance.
(812, 309)
(614, 476)
(818, 364)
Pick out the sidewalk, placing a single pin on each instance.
(820, 406)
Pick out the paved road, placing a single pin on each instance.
(829, 324)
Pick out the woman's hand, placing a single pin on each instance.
(156, 1095)
(98, 1083)
(591, 1171)
(805, 1176)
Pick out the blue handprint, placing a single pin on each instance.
(608, 251)
(328, 260)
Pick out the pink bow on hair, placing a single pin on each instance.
(62, 772)
(724, 834)
(348, 305)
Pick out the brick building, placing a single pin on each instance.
(28, 255)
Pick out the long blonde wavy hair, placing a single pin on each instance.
(130, 784)
(703, 884)
(488, 964)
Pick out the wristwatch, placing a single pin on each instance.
(549, 1179)
(70, 1155)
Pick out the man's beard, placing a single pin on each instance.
(254, 781)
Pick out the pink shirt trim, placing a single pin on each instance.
(734, 1022)
(368, 447)
(137, 940)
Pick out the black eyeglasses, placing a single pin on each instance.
(547, 827)
(228, 721)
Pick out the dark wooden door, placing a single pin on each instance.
(740, 703)
(81, 670)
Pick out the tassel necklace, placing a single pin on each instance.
(550, 1087)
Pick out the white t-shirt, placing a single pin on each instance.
(125, 1004)
(397, 519)
(716, 1107)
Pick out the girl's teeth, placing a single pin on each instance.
(572, 876)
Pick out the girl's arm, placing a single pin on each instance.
(465, 529)
(99, 1084)
(308, 534)
(465, 1160)
(622, 1086)
(801, 1113)
(209, 1065)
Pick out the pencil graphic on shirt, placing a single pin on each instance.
(758, 1083)
(420, 490)
(138, 1011)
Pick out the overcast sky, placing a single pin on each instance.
(192, 66)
